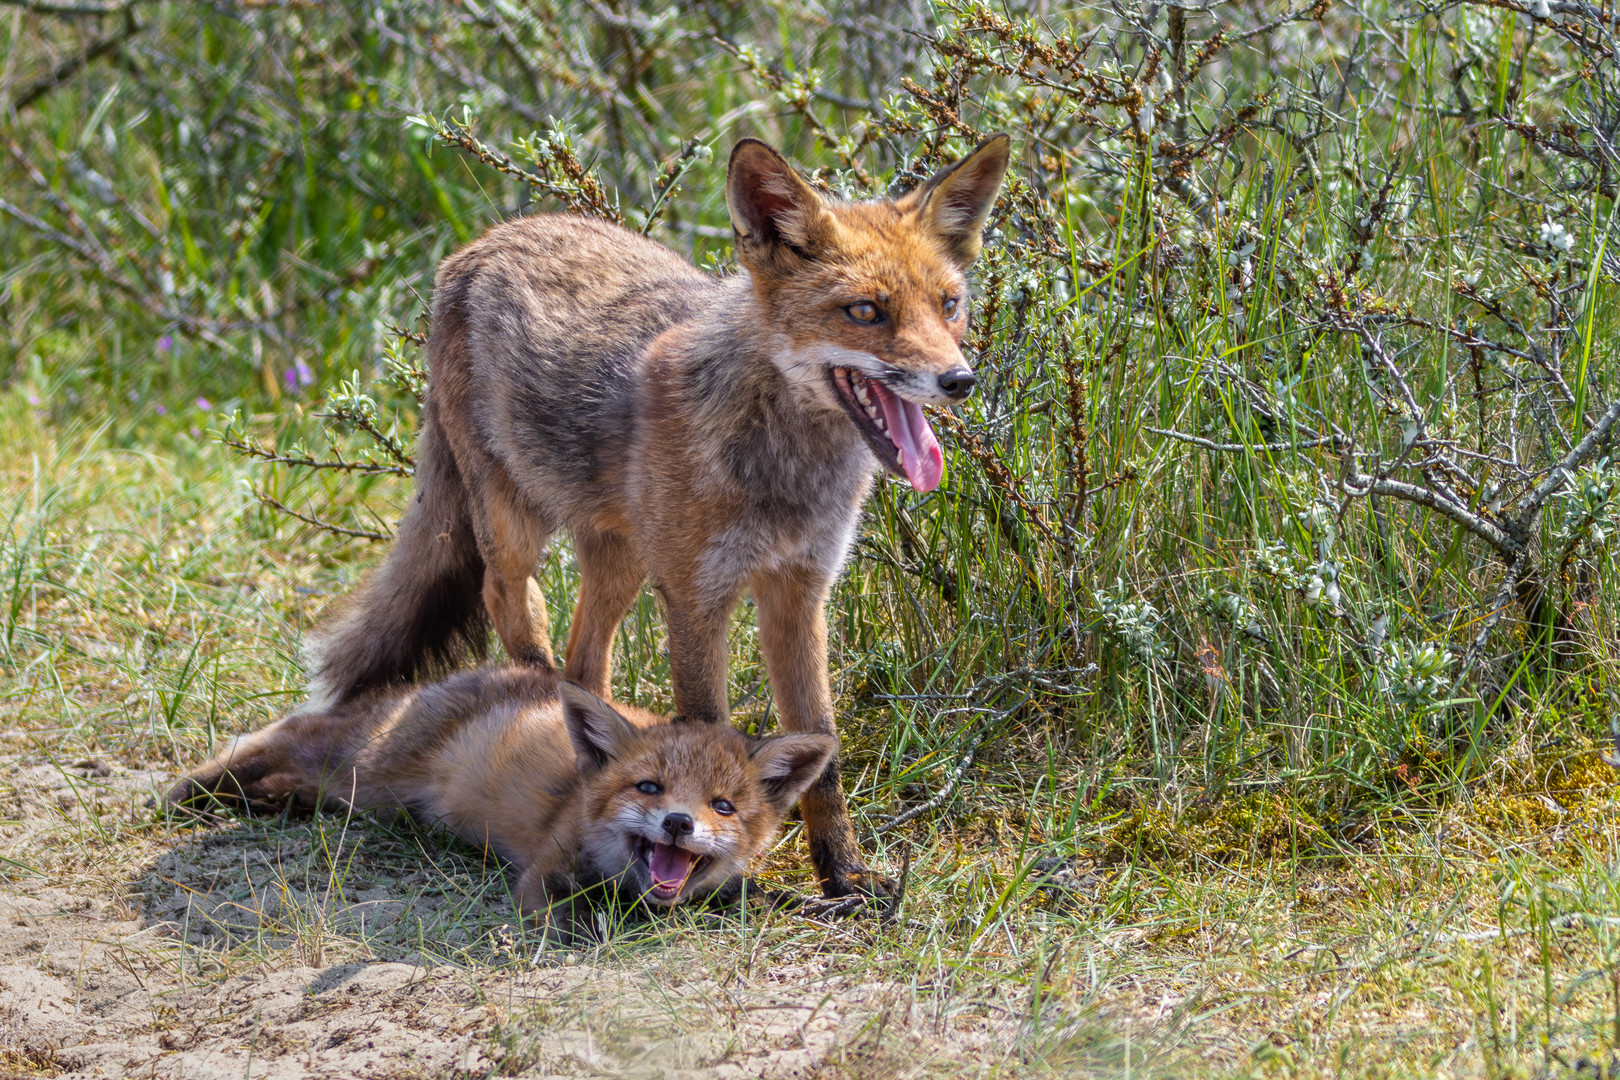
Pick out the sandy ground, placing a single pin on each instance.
(316, 950)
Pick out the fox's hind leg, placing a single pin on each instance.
(610, 577)
(253, 772)
(512, 537)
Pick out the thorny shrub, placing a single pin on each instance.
(1291, 323)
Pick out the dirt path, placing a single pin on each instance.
(335, 949)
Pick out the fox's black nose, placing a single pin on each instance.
(677, 825)
(958, 384)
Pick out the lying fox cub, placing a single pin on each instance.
(571, 790)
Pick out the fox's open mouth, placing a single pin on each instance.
(900, 436)
(670, 867)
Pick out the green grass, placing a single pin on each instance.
(156, 608)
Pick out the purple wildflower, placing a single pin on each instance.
(165, 343)
(204, 404)
(299, 376)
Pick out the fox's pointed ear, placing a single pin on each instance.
(773, 211)
(955, 201)
(598, 732)
(787, 764)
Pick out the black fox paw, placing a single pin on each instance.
(856, 881)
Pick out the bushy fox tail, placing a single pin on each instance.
(423, 609)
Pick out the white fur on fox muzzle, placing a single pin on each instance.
(919, 387)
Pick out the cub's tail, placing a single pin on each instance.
(423, 610)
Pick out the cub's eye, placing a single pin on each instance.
(650, 787)
(950, 307)
(722, 806)
(865, 312)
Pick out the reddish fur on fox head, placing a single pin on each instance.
(870, 297)
(675, 810)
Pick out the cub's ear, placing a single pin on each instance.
(598, 732)
(955, 201)
(787, 764)
(774, 213)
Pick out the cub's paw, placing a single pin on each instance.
(214, 792)
(188, 798)
(197, 793)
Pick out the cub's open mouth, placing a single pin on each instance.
(900, 436)
(670, 868)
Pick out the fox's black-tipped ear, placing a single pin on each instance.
(598, 732)
(773, 211)
(787, 764)
(955, 201)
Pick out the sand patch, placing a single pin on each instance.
(331, 948)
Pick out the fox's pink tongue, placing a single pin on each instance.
(920, 456)
(669, 865)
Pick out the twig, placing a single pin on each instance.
(327, 526)
(893, 911)
(1557, 922)
(341, 464)
(1238, 448)
(71, 66)
(1476, 648)
(941, 796)
(81, 7)
(1505, 543)
(1559, 476)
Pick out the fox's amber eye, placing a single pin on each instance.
(950, 307)
(722, 806)
(865, 312)
(650, 787)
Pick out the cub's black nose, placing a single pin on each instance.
(958, 384)
(677, 824)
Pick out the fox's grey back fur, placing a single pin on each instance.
(525, 303)
(558, 314)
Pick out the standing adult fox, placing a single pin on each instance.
(715, 434)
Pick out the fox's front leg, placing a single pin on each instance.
(549, 901)
(698, 653)
(793, 638)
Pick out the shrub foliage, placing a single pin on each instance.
(1293, 458)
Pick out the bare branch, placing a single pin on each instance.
(1480, 526)
(1559, 476)
(324, 526)
(941, 795)
(81, 7)
(76, 63)
(339, 463)
(1238, 448)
